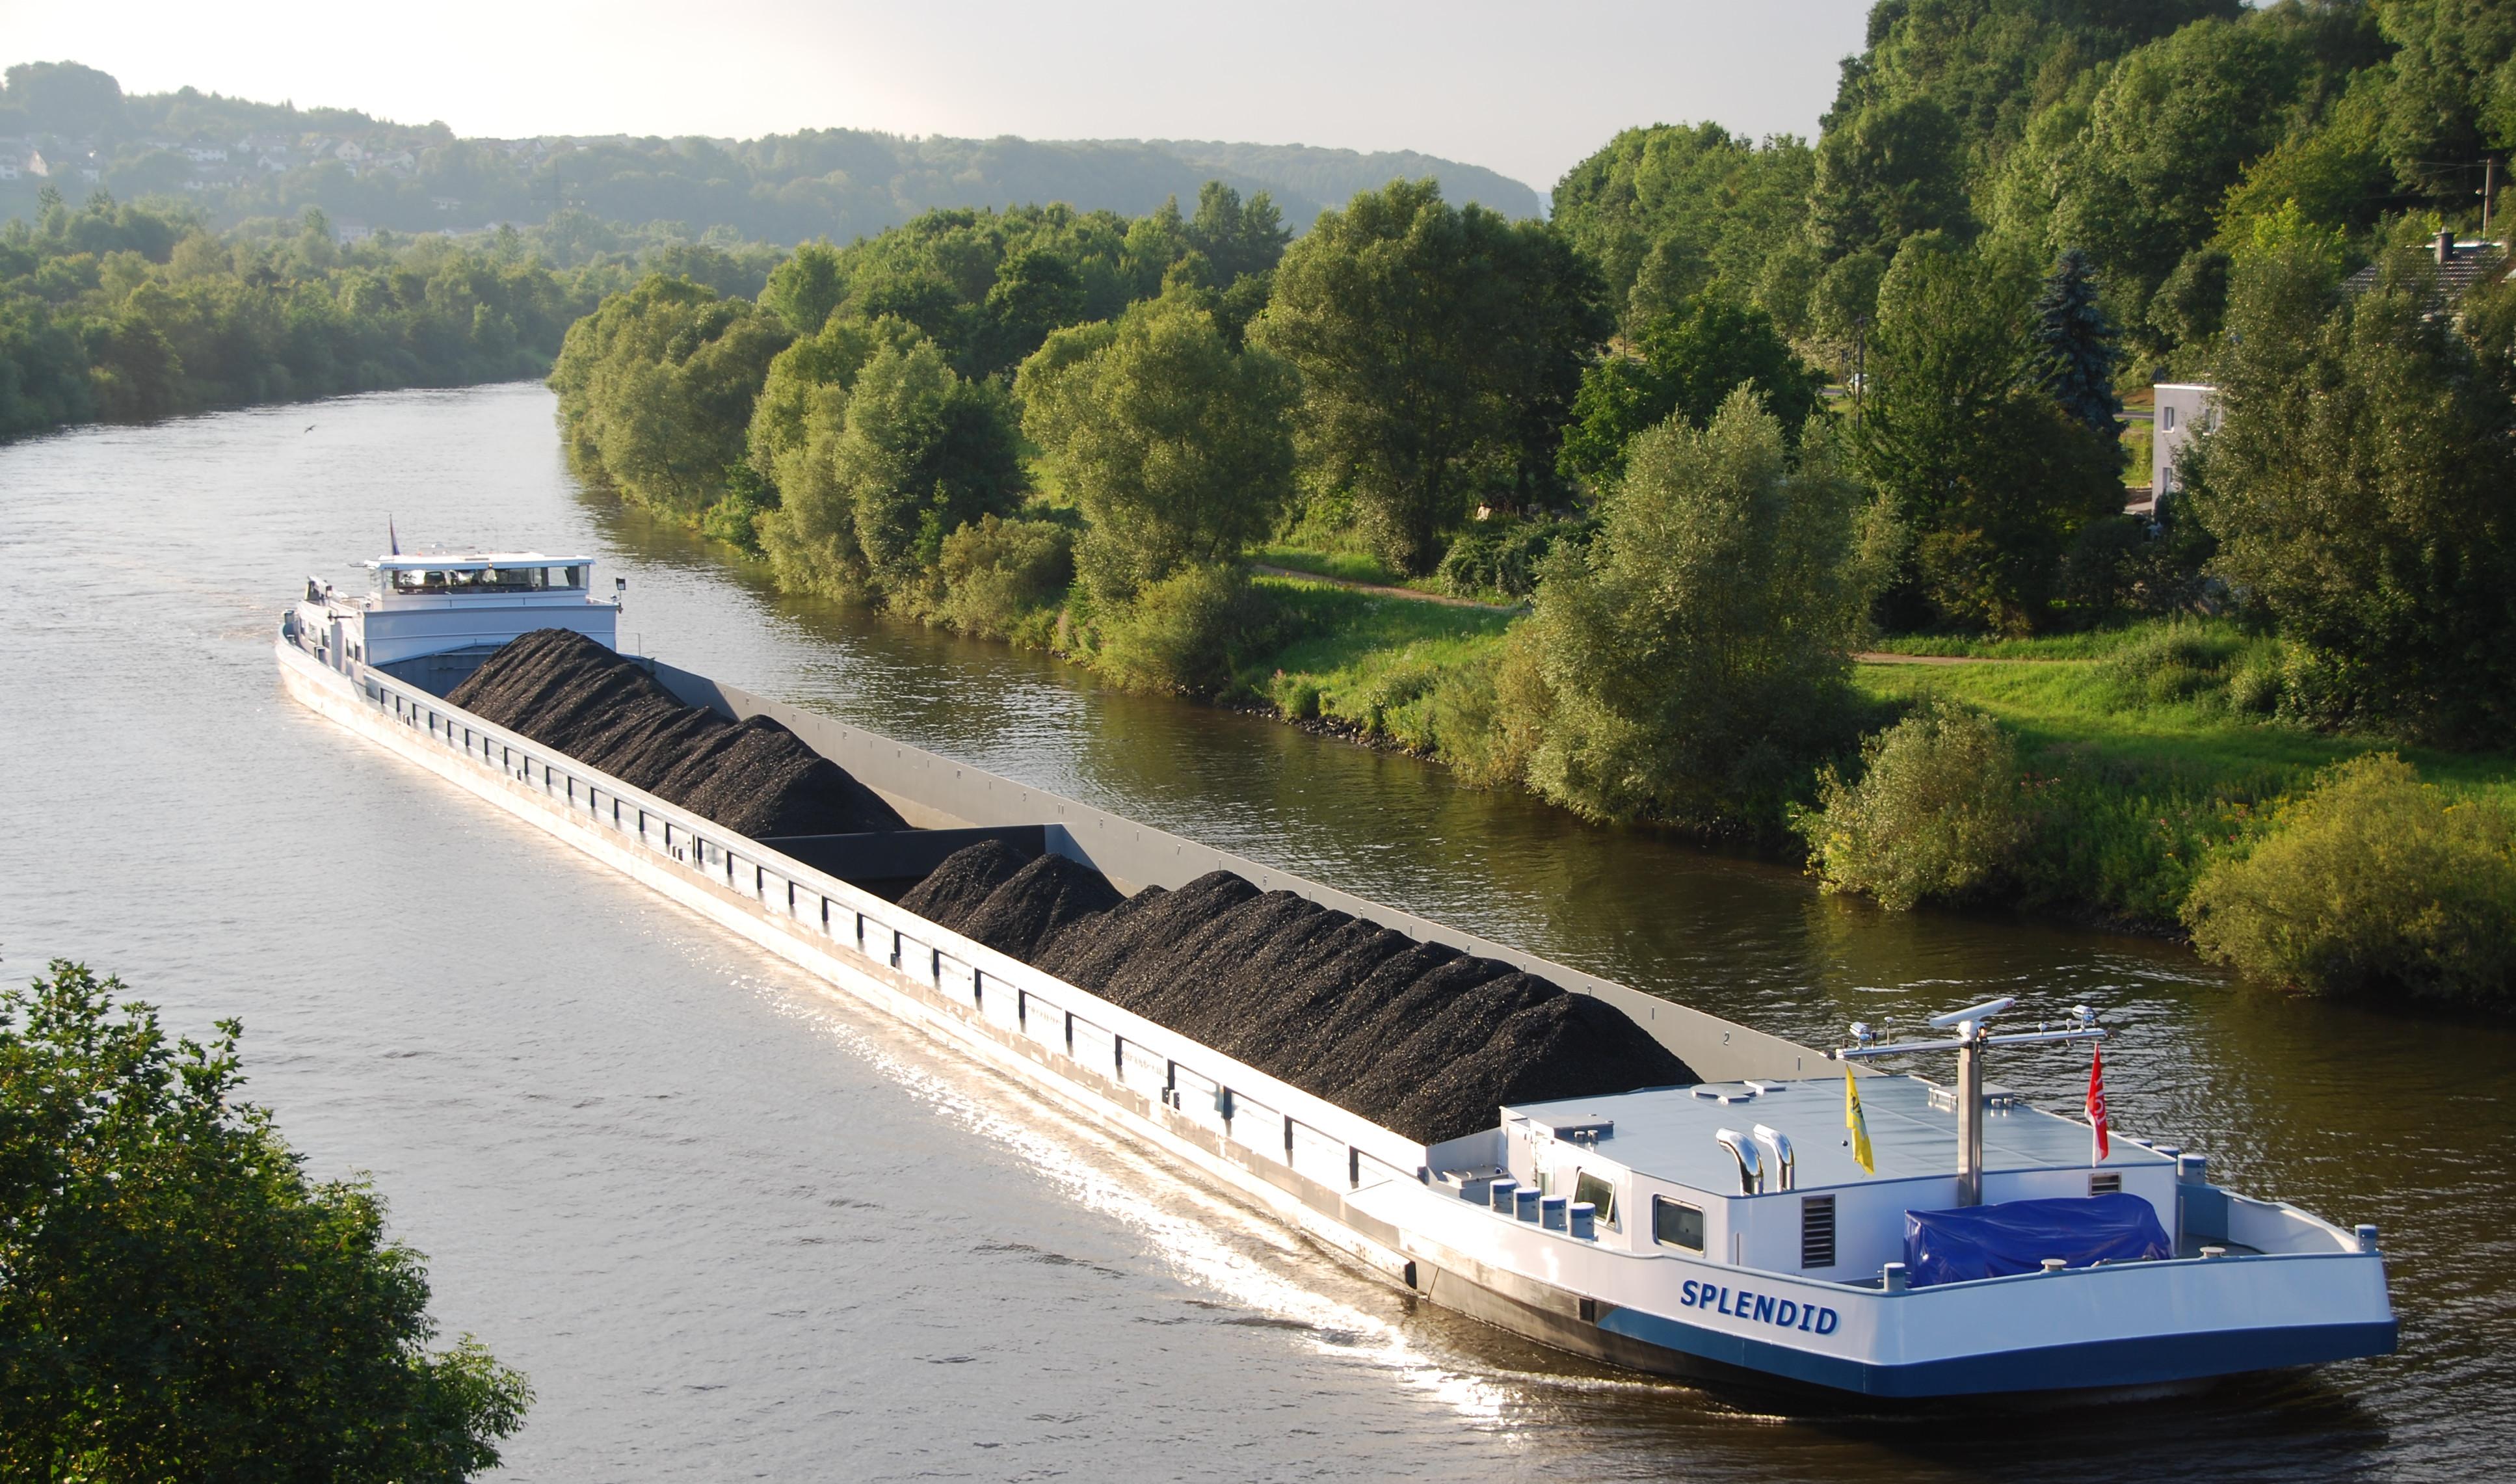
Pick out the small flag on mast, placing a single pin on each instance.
(2097, 1143)
(1857, 1124)
(393, 537)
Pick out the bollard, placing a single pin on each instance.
(1499, 1194)
(1551, 1212)
(1523, 1204)
(1585, 1220)
(1891, 1278)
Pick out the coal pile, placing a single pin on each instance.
(1037, 902)
(963, 884)
(1419, 1038)
(754, 777)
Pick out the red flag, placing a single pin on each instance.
(2097, 1107)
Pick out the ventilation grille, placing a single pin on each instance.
(1817, 1231)
(2105, 1185)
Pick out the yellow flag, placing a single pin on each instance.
(1858, 1126)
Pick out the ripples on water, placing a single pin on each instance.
(736, 1226)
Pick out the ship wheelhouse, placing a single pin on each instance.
(432, 618)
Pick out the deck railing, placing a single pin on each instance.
(1276, 1123)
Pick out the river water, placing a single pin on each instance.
(733, 1226)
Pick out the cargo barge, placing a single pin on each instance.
(1724, 1231)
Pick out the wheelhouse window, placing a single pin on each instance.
(1674, 1223)
(488, 579)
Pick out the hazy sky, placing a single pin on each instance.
(1526, 89)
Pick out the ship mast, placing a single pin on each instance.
(1972, 1037)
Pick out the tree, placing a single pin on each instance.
(1239, 239)
(919, 453)
(180, 1300)
(1988, 475)
(1690, 664)
(2168, 134)
(1438, 350)
(1991, 64)
(1689, 363)
(2452, 93)
(2075, 346)
(806, 388)
(807, 287)
(1665, 210)
(1035, 292)
(1890, 171)
(2357, 484)
(65, 97)
(656, 389)
(1173, 444)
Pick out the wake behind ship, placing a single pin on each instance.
(1628, 1179)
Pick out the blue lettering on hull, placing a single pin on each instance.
(1759, 1309)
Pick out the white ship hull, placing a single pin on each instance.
(2312, 1294)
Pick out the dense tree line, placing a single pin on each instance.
(837, 183)
(117, 311)
(2017, 211)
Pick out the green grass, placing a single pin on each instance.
(1373, 663)
(1344, 565)
(2065, 710)
(2095, 644)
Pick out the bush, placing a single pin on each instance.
(1687, 666)
(2370, 880)
(1005, 578)
(1937, 815)
(1190, 634)
(2172, 662)
(1502, 556)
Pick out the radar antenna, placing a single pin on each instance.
(1971, 1039)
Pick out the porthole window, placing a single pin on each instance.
(1674, 1223)
(1600, 1194)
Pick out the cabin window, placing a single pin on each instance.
(572, 576)
(1601, 1193)
(1817, 1231)
(1674, 1223)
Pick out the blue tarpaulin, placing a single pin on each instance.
(2017, 1236)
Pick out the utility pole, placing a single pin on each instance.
(1859, 368)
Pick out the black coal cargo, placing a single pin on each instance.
(754, 777)
(1420, 1039)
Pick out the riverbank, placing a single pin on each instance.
(2145, 748)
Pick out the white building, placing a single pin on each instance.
(2184, 408)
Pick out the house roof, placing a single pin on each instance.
(2461, 269)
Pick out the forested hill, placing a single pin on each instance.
(242, 159)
